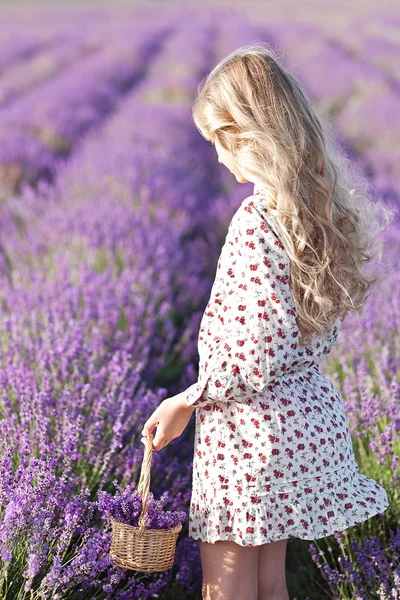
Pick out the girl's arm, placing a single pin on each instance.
(261, 331)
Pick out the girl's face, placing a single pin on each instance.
(225, 157)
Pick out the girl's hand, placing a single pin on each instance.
(171, 418)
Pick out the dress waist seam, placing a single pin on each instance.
(298, 374)
(350, 468)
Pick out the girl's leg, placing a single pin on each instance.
(272, 572)
(229, 570)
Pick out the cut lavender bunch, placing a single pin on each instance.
(126, 506)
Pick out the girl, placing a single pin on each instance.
(273, 456)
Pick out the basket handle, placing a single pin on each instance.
(144, 481)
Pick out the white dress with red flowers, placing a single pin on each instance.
(273, 456)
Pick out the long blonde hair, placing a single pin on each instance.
(321, 202)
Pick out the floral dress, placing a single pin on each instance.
(273, 456)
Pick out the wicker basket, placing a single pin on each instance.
(140, 548)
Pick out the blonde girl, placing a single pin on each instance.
(273, 456)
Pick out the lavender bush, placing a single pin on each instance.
(361, 570)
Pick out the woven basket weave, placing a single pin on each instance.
(140, 548)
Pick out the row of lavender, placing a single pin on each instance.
(40, 125)
(92, 312)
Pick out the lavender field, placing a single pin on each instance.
(113, 210)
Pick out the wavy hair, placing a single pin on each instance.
(321, 202)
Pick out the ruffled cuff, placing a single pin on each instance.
(194, 395)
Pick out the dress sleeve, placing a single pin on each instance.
(261, 331)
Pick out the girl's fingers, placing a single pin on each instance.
(149, 425)
(165, 442)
